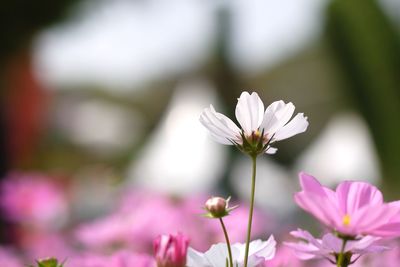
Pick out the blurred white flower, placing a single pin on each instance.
(216, 256)
(163, 164)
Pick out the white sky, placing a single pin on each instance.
(123, 43)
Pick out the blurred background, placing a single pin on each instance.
(100, 97)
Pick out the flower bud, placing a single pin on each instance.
(216, 206)
(171, 250)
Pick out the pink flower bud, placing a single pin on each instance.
(171, 250)
(216, 206)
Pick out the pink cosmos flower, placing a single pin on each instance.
(355, 208)
(8, 258)
(330, 246)
(258, 126)
(171, 250)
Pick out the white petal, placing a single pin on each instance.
(276, 116)
(267, 249)
(223, 140)
(196, 259)
(298, 125)
(218, 254)
(249, 112)
(258, 250)
(271, 150)
(269, 116)
(221, 127)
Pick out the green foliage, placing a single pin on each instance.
(367, 48)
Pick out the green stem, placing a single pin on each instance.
(341, 260)
(228, 244)
(253, 189)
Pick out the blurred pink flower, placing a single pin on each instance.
(41, 245)
(171, 250)
(8, 258)
(330, 246)
(125, 226)
(121, 258)
(141, 209)
(34, 199)
(355, 208)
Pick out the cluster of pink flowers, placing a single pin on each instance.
(159, 213)
(117, 239)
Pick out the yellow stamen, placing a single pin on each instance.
(346, 220)
(257, 133)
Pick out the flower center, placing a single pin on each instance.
(254, 143)
(346, 220)
(256, 135)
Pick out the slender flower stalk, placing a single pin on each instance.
(342, 261)
(228, 243)
(253, 189)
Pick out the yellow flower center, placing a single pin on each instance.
(346, 220)
(257, 134)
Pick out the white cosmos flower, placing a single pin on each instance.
(259, 127)
(216, 256)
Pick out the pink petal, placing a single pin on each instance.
(317, 200)
(354, 195)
